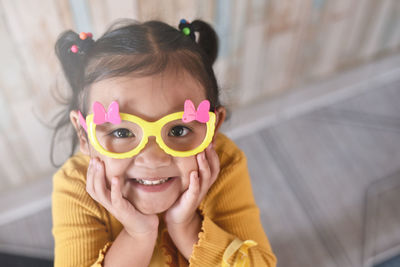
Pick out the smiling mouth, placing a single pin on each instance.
(152, 181)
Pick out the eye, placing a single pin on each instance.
(179, 131)
(122, 133)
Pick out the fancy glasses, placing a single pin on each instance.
(122, 135)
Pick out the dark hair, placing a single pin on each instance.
(131, 47)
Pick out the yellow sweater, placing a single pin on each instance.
(83, 230)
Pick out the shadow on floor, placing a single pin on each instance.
(22, 261)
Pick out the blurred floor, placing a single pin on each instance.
(328, 182)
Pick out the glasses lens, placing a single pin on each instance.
(119, 138)
(181, 136)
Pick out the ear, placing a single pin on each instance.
(220, 115)
(83, 142)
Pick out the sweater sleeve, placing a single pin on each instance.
(79, 224)
(231, 223)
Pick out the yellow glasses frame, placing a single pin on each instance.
(151, 129)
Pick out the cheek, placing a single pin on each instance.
(115, 167)
(186, 166)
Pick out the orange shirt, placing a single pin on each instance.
(231, 228)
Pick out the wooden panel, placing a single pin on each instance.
(328, 31)
(30, 31)
(359, 27)
(169, 11)
(394, 39)
(104, 12)
(282, 38)
(373, 41)
(388, 38)
(250, 84)
(10, 172)
(229, 65)
(33, 141)
(13, 82)
(28, 42)
(332, 35)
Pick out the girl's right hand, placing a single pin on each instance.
(137, 224)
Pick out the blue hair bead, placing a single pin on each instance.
(183, 21)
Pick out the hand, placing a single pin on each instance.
(184, 209)
(135, 223)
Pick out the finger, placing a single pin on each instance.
(190, 199)
(204, 167)
(100, 187)
(116, 194)
(122, 208)
(204, 171)
(193, 191)
(213, 161)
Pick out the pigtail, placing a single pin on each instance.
(207, 39)
(71, 50)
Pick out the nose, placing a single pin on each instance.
(152, 156)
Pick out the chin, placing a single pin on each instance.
(153, 206)
(149, 211)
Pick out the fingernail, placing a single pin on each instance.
(195, 174)
(203, 155)
(114, 180)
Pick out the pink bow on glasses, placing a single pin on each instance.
(100, 115)
(201, 115)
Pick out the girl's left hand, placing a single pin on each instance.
(184, 209)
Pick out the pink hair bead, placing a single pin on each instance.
(74, 49)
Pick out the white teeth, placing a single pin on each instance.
(154, 182)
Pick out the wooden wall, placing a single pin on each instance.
(267, 48)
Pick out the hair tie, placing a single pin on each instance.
(187, 29)
(84, 42)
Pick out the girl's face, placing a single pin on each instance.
(150, 98)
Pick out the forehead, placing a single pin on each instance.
(150, 97)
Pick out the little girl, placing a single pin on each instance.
(154, 183)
